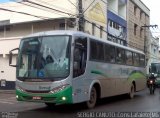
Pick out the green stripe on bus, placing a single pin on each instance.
(47, 97)
(98, 73)
(136, 75)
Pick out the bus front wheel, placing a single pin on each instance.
(93, 98)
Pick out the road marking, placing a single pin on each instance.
(6, 102)
(10, 100)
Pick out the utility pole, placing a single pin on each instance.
(80, 16)
(145, 39)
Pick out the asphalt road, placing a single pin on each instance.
(143, 103)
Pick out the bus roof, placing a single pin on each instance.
(78, 33)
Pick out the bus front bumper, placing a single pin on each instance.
(61, 97)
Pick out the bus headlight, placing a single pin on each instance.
(58, 89)
(63, 98)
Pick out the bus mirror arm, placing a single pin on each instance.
(10, 57)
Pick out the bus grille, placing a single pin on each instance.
(43, 99)
(31, 91)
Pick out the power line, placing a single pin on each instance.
(88, 6)
(38, 8)
(72, 4)
(30, 5)
(104, 1)
(41, 17)
(49, 8)
(52, 5)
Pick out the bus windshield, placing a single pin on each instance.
(44, 57)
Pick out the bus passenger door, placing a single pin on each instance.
(79, 66)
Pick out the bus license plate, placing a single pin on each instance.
(36, 98)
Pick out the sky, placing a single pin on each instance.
(154, 6)
(1, 1)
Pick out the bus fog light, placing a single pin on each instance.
(17, 96)
(64, 98)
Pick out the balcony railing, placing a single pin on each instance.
(117, 40)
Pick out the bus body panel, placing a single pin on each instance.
(113, 78)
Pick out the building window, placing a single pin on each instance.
(141, 33)
(101, 31)
(5, 28)
(93, 28)
(135, 29)
(114, 25)
(110, 23)
(141, 13)
(135, 10)
(62, 26)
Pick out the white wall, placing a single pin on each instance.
(63, 5)
(113, 6)
(9, 73)
(122, 11)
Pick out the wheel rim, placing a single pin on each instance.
(93, 98)
(132, 92)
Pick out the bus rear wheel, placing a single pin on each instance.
(132, 92)
(93, 98)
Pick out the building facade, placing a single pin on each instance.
(138, 19)
(153, 50)
(117, 21)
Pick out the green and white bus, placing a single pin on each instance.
(68, 67)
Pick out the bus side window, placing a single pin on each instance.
(120, 56)
(129, 59)
(80, 57)
(109, 53)
(136, 59)
(77, 62)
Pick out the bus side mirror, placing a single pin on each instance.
(10, 57)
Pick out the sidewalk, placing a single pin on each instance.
(7, 91)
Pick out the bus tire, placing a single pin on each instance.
(132, 91)
(93, 98)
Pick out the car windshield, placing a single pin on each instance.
(44, 57)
